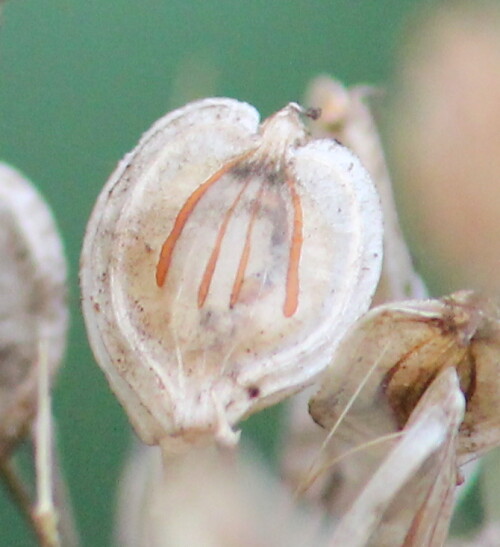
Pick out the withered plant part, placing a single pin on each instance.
(408, 497)
(51, 513)
(398, 353)
(223, 261)
(347, 116)
(420, 338)
(32, 302)
(33, 325)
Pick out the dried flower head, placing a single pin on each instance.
(223, 261)
(32, 303)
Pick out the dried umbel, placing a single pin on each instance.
(223, 261)
(33, 309)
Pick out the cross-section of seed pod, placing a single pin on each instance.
(33, 310)
(222, 263)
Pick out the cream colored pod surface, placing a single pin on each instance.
(222, 263)
(33, 309)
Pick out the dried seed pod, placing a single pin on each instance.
(409, 343)
(32, 303)
(408, 497)
(222, 263)
(347, 116)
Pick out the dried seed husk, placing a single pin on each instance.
(347, 116)
(408, 497)
(213, 338)
(407, 344)
(33, 301)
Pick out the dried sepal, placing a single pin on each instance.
(347, 116)
(411, 342)
(408, 497)
(223, 261)
(32, 304)
(51, 510)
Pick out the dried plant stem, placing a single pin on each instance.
(18, 417)
(66, 521)
(50, 515)
(52, 510)
(16, 487)
(44, 512)
(19, 493)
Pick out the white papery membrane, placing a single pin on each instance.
(410, 343)
(411, 394)
(347, 115)
(221, 265)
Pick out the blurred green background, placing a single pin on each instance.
(80, 82)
